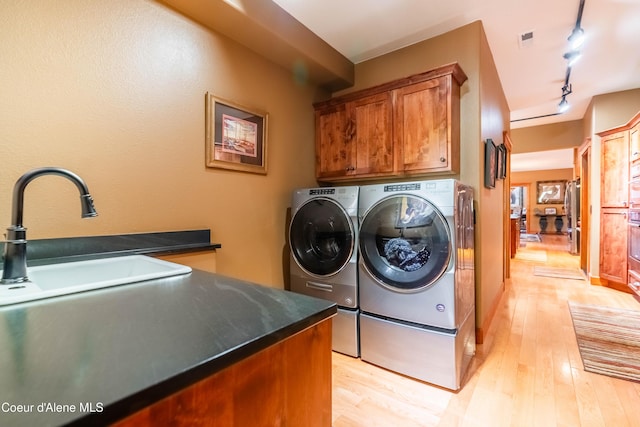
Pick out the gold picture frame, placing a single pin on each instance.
(236, 136)
(550, 192)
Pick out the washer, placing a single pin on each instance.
(416, 278)
(323, 237)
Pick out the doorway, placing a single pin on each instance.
(520, 204)
(585, 203)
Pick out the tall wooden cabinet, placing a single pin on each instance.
(409, 126)
(615, 170)
(633, 261)
(614, 202)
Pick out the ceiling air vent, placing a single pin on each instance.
(525, 39)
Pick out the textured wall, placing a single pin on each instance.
(115, 91)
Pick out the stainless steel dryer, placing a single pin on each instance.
(323, 237)
(416, 279)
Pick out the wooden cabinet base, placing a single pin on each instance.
(287, 384)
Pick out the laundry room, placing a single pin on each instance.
(119, 92)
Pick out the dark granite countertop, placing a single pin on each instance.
(114, 351)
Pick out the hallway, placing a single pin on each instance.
(528, 372)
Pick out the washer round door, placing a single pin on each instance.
(322, 237)
(405, 243)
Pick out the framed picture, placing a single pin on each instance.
(490, 160)
(501, 169)
(236, 136)
(550, 211)
(550, 192)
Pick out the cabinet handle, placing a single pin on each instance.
(442, 159)
(350, 168)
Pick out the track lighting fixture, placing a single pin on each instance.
(576, 38)
(572, 57)
(563, 107)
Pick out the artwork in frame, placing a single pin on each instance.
(550, 192)
(490, 161)
(501, 169)
(236, 136)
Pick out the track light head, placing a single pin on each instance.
(563, 107)
(572, 57)
(576, 39)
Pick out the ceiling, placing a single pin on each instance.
(532, 74)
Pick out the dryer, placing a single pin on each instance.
(323, 237)
(416, 278)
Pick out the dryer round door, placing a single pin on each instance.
(322, 237)
(405, 243)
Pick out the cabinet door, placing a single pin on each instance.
(335, 152)
(613, 245)
(423, 126)
(615, 170)
(372, 131)
(634, 152)
(634, 143)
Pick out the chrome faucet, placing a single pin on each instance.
(15, 249)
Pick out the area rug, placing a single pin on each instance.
(529, 237)
(559, 272)
(608, 340)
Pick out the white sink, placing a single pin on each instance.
(67, 278)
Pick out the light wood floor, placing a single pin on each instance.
(527, 373)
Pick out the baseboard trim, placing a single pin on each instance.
(488, 320)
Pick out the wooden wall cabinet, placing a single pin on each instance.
(428, 126)
(409, 126)
(354, 138)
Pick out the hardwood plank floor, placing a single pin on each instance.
(527, 373)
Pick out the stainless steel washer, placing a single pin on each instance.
(323, 237)
(416, 278)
